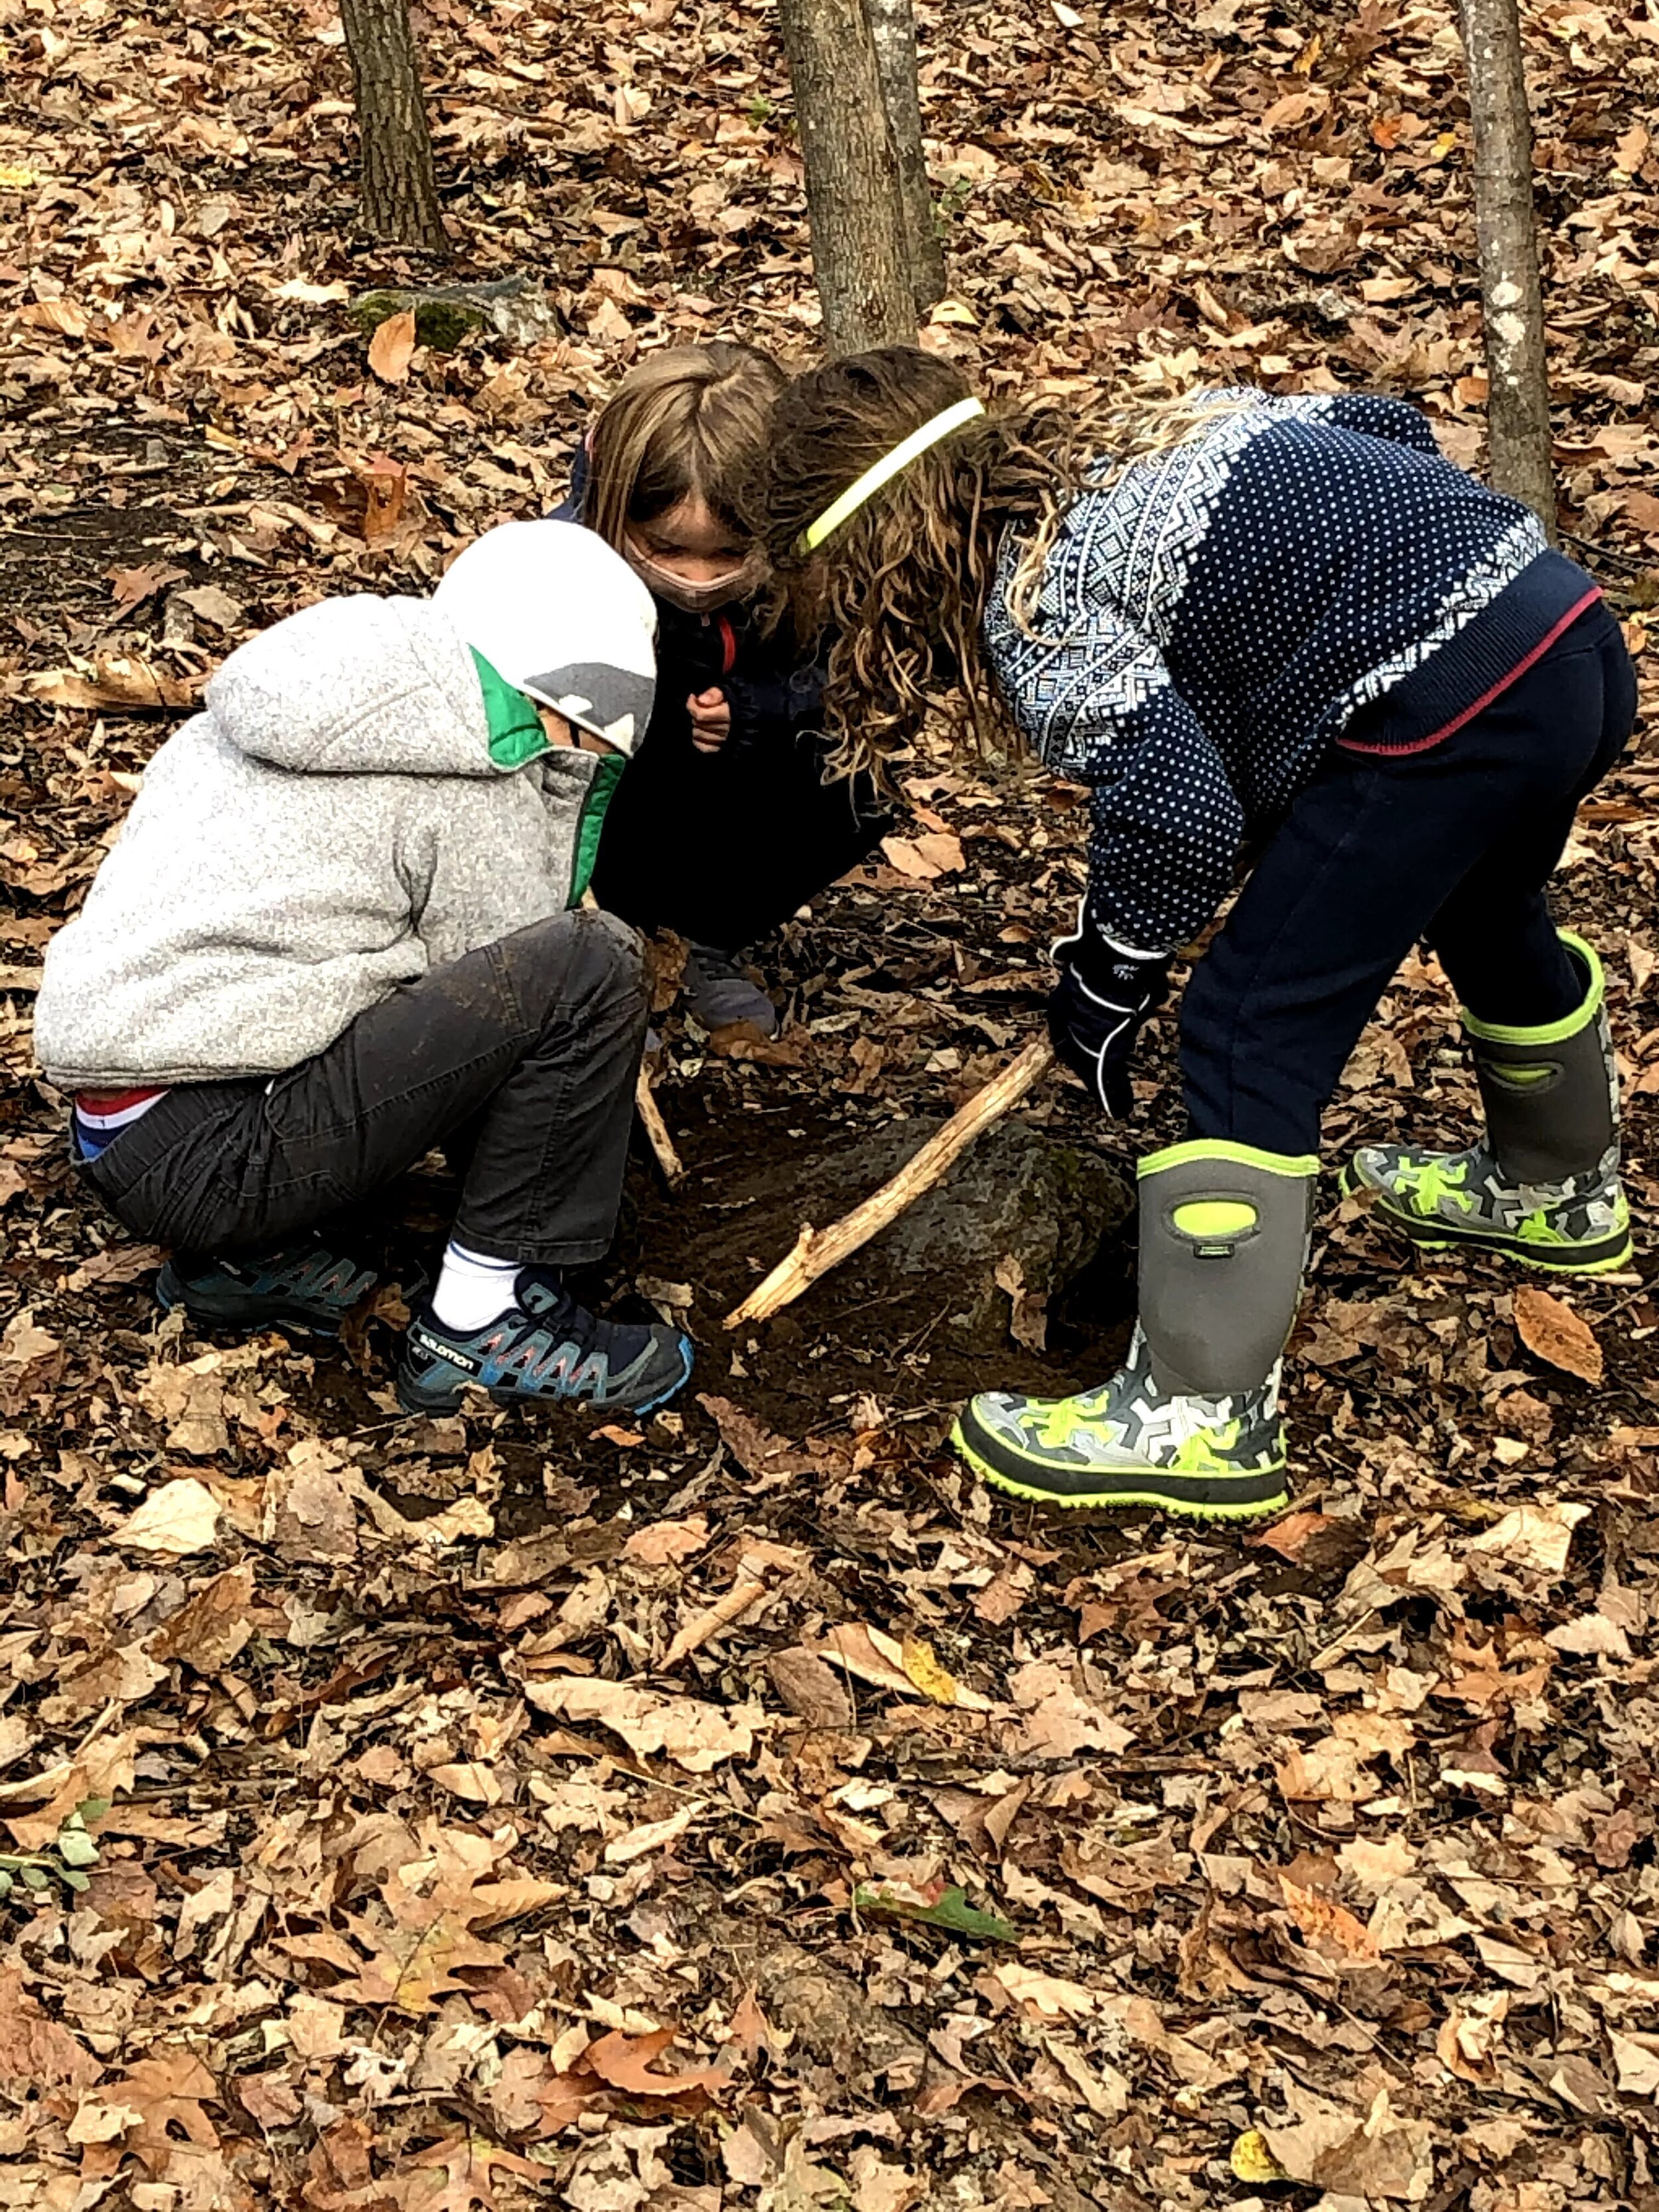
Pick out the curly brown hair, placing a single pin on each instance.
(901, 586)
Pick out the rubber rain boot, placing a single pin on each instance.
(1190, 1422)
(1542, 1186)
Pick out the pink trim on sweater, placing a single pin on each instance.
(1436, 737)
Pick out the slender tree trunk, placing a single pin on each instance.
(1511, 297)
(893, 34)
(860, 245)
(400, 193)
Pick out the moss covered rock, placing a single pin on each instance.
(513, 308)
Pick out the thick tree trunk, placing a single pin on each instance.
(1518, 407)
(893, 32)
(860, 246)
(399, 191)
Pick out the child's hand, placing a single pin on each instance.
(711, 719)
(1095, 1013)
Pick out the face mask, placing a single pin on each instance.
(695, 598)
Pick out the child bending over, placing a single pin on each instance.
(1238, 617)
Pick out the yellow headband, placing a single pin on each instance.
(886, 469)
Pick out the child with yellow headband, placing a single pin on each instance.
(1240, 618)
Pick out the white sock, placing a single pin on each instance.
(473, 1290)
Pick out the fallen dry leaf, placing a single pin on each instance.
(392, 348)
(35, 2052)
(180, 1517)
(1050, 1997)
(1375, 2155)
(1550, 1328)
(212, 1627)
(124, 682)
(1330, 1929)
(1533, 1535)
(625, 2061)
(695, 1735)
(926, 858)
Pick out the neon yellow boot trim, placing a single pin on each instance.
(1205, 1218)
(1265, 1509)
(1550, 1032)
(1222, 1150)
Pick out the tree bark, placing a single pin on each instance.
(399, 191)
(893, 34)
(860, 243)
(1507, 228)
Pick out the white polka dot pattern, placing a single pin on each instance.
(1207, 624)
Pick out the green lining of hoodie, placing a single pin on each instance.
(516, 734)
(591, 821)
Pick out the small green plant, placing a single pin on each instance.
(951, 203)
(72, 1851)
(759, 110)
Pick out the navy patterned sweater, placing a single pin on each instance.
(1306, 569)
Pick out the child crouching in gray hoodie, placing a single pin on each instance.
(338, 928)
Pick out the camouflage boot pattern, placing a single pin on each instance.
(1129, 1442)
(1543, 1187)
(1190, 1422)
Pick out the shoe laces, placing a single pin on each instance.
(543, 1295)
(320, 1273)
(714, 966)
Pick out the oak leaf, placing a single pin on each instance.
(1330, 1929)
(34, 2048)
(180, 1517)
(155, 2096)
(624, 2061)
(212, 1627)
(459, 2174)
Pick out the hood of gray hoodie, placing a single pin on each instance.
(356, 686)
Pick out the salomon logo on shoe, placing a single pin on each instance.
(545, 1347)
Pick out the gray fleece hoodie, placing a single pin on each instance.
(346, 813)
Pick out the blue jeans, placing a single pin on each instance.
(1452, 847)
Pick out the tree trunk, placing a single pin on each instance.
(399, 191)
(860, 246)
(893, 34)
(1511, 298)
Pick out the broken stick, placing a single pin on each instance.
(816, 1254)
(645, 1101)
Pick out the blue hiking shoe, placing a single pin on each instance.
(545, 1346)
(307, 1287)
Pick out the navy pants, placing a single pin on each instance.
(1452, 847)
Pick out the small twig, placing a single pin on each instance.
(1606, 552)
(707, 1625)
(645, 1101)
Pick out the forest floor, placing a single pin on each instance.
(737, 1810)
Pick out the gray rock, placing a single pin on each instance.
(1015, 1195)
(512, 306)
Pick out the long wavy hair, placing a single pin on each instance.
(901, 587)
